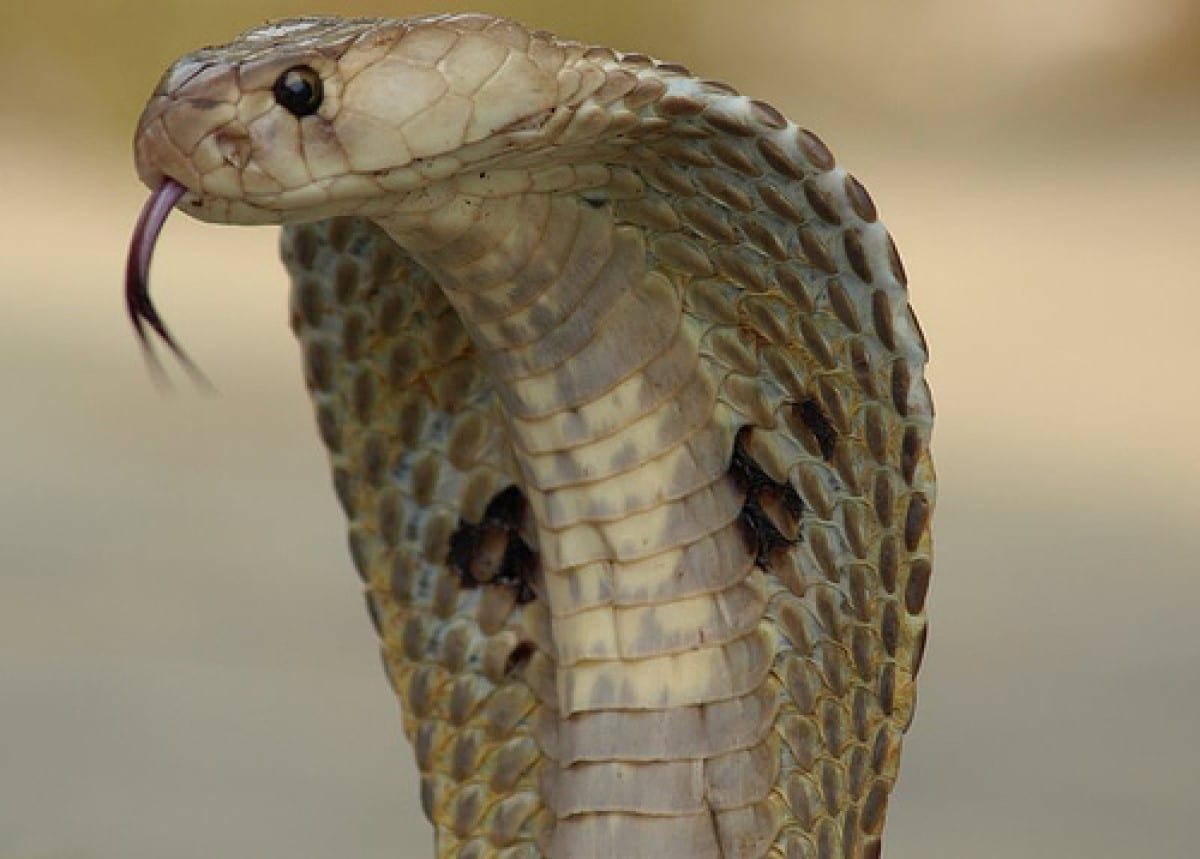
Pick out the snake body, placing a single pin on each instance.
(624, 403)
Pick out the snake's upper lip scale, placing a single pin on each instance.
(137, 278)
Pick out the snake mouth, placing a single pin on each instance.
(141, 309)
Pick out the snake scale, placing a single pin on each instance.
(625, 405)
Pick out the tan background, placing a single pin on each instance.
(186, 669)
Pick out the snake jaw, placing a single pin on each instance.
(138, 303)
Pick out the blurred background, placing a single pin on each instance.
(186, 668)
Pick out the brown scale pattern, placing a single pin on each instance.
(411, 430)
(849, 638)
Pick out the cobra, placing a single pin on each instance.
(625, 405)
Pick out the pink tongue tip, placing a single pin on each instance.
(137, 280)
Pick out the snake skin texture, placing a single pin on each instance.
(625, 406)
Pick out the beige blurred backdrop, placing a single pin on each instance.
(186, 669)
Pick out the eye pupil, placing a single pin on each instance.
(299, 91)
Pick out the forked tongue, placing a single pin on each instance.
(137, 282)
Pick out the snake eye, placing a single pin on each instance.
(299, 90)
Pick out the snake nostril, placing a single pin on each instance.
(235, 148)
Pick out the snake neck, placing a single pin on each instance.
(623, 450)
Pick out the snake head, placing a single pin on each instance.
(309, 118)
